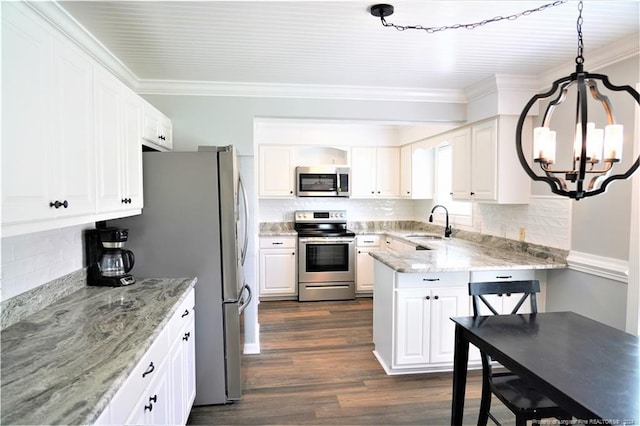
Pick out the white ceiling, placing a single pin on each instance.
(339, 43)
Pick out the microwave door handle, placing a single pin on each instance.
(245, 243)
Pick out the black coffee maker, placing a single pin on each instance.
(109, 263)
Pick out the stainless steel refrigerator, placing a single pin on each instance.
(194, 224)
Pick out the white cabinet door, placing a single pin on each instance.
(387, 172)
(484, 160)
(277, 171)
(48, 150)
(375, 172)
(156, 127)
(166, 131)
(406, 158)
(188, 369)
(73, 130)
(27, 126)
(461, 164)
(413, 327)
(363, 172)
(154, 405)
(424, 333)
(176, 360)
(364, 262)
(132, 196)
(278, 276)
(422, 172)
(446, 303)
(108, 119)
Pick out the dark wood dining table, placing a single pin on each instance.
(590, 369)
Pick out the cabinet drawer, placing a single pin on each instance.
(368, 241)
(432, 279)
(141, 376)
(182, 316)
(278, 242)
(503, 275)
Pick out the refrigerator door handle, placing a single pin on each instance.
(245, 302)
(245, 243)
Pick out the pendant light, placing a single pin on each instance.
(596, 152)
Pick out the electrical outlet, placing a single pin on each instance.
(523, 233)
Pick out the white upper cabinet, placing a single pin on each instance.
(47, 143)
(118, 115)
(460, 141)
(131, 168)
(108, 119)
(71, 138)
(157, 128)
(416, 171)
(485, 164)
(277, 171)
(375, 172)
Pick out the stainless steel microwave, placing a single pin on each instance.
(322, 181)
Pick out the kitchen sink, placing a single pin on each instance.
(425, 236)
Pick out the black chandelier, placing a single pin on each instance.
(595, 151)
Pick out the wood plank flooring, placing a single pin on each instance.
(316, 366)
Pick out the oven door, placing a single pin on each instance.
(326, 259)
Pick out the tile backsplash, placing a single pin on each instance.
(31, 260)
(546, 220)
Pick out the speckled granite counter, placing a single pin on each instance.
(466, 251)
(457, 254)
(63, 364)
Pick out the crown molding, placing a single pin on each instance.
(72, 29)
(501, 83)
(620, 50)
(297, 91)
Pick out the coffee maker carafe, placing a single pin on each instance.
(109, 262)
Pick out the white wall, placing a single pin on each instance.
(600, 224)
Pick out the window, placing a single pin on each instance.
(460, 211)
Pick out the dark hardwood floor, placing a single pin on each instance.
(316, 366)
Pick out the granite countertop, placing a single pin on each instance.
(63, 364)
(457, 254)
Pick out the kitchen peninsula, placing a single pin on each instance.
(417, 291)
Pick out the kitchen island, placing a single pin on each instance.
(416, 292)
(64, 363)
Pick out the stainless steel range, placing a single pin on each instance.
(326, 256)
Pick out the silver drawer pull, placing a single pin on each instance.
(431, 279)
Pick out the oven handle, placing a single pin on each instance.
(326, 240)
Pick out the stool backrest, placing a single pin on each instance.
(527, 288)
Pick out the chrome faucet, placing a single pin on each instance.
(447, 228)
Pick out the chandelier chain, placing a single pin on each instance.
(476, 24)
(580, 58)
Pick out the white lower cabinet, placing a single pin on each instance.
(161, 388)
(153, 407)
(278, 273)
(364, 262)
(412, 329)
(424, 334)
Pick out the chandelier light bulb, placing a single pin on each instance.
(613, 138)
